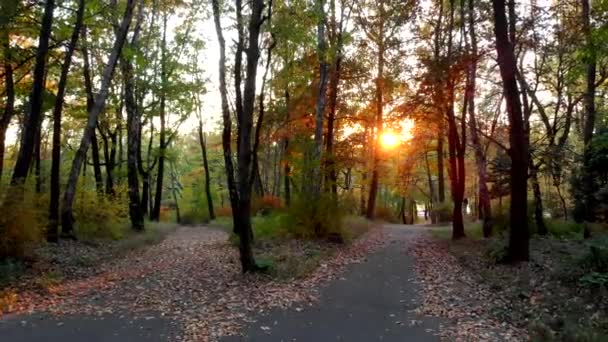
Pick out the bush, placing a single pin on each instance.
(319, 218)
(596, 259)
(22, 223)
(386, 214)
(564, 229)
(269, 227)
(195, 216)
(223, 212)
(100, 215)
(266, 204)
(496, 251)
(443, 212)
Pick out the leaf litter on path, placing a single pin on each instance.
(192, 279)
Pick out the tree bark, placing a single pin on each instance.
(160, 174)
(519, 233)
(33, 118)
(287, 169)
(53, 225)
(379, 102)
(541, 228)
(9, 107)
(88, 85)
(240, 200)
(485, 205)
(202, 142)
(316, 178)
(589, 123)
(100, 100)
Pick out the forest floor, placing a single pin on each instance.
(394, 283)
(554, 297)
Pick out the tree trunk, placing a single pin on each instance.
(90, 102)
(100, 100)
(316, 178)
(519, 234)
(484, 204)
(201, 140)
(133, 122)
(334, 82)
(287, 169)
(9, 107)
(240, 200)
(373, 187)
(33, 118)
(158, 194)
(541, 228)
(53, 225)
(589, 122)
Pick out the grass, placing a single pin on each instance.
(287, 257)
(154, 233)
(473, 230)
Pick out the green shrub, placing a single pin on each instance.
(269, 227)
(10, 269)
(564, 229)
(443, 212)
(195, 216)
(320, 218)
(594, 279)
(22, 222)
(596, 259)
(496, 251)
(100, 215)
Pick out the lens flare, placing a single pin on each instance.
(389, 139)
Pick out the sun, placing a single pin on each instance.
(389, 139)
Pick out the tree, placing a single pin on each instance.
(240, 190)
(133, 129)
(34, 115)
(67, 216)
(52, 230)
(518, 151)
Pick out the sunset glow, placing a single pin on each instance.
(389, 139)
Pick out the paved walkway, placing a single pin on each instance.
(370, 302)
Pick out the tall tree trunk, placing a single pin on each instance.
(485, 205)
(316, 178)
(37, 171)
(158, 194)
(88, 85)
(133, 129)
(589, 123)
(33, 118)
(334, 82)
(541, 228)
(9, 106)
(53, 225)
(519, 234)
(67, 216)
(239, 200)
(373, 187)
(455, 148)
(440, 166)
(201, 140)
(287, 169)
